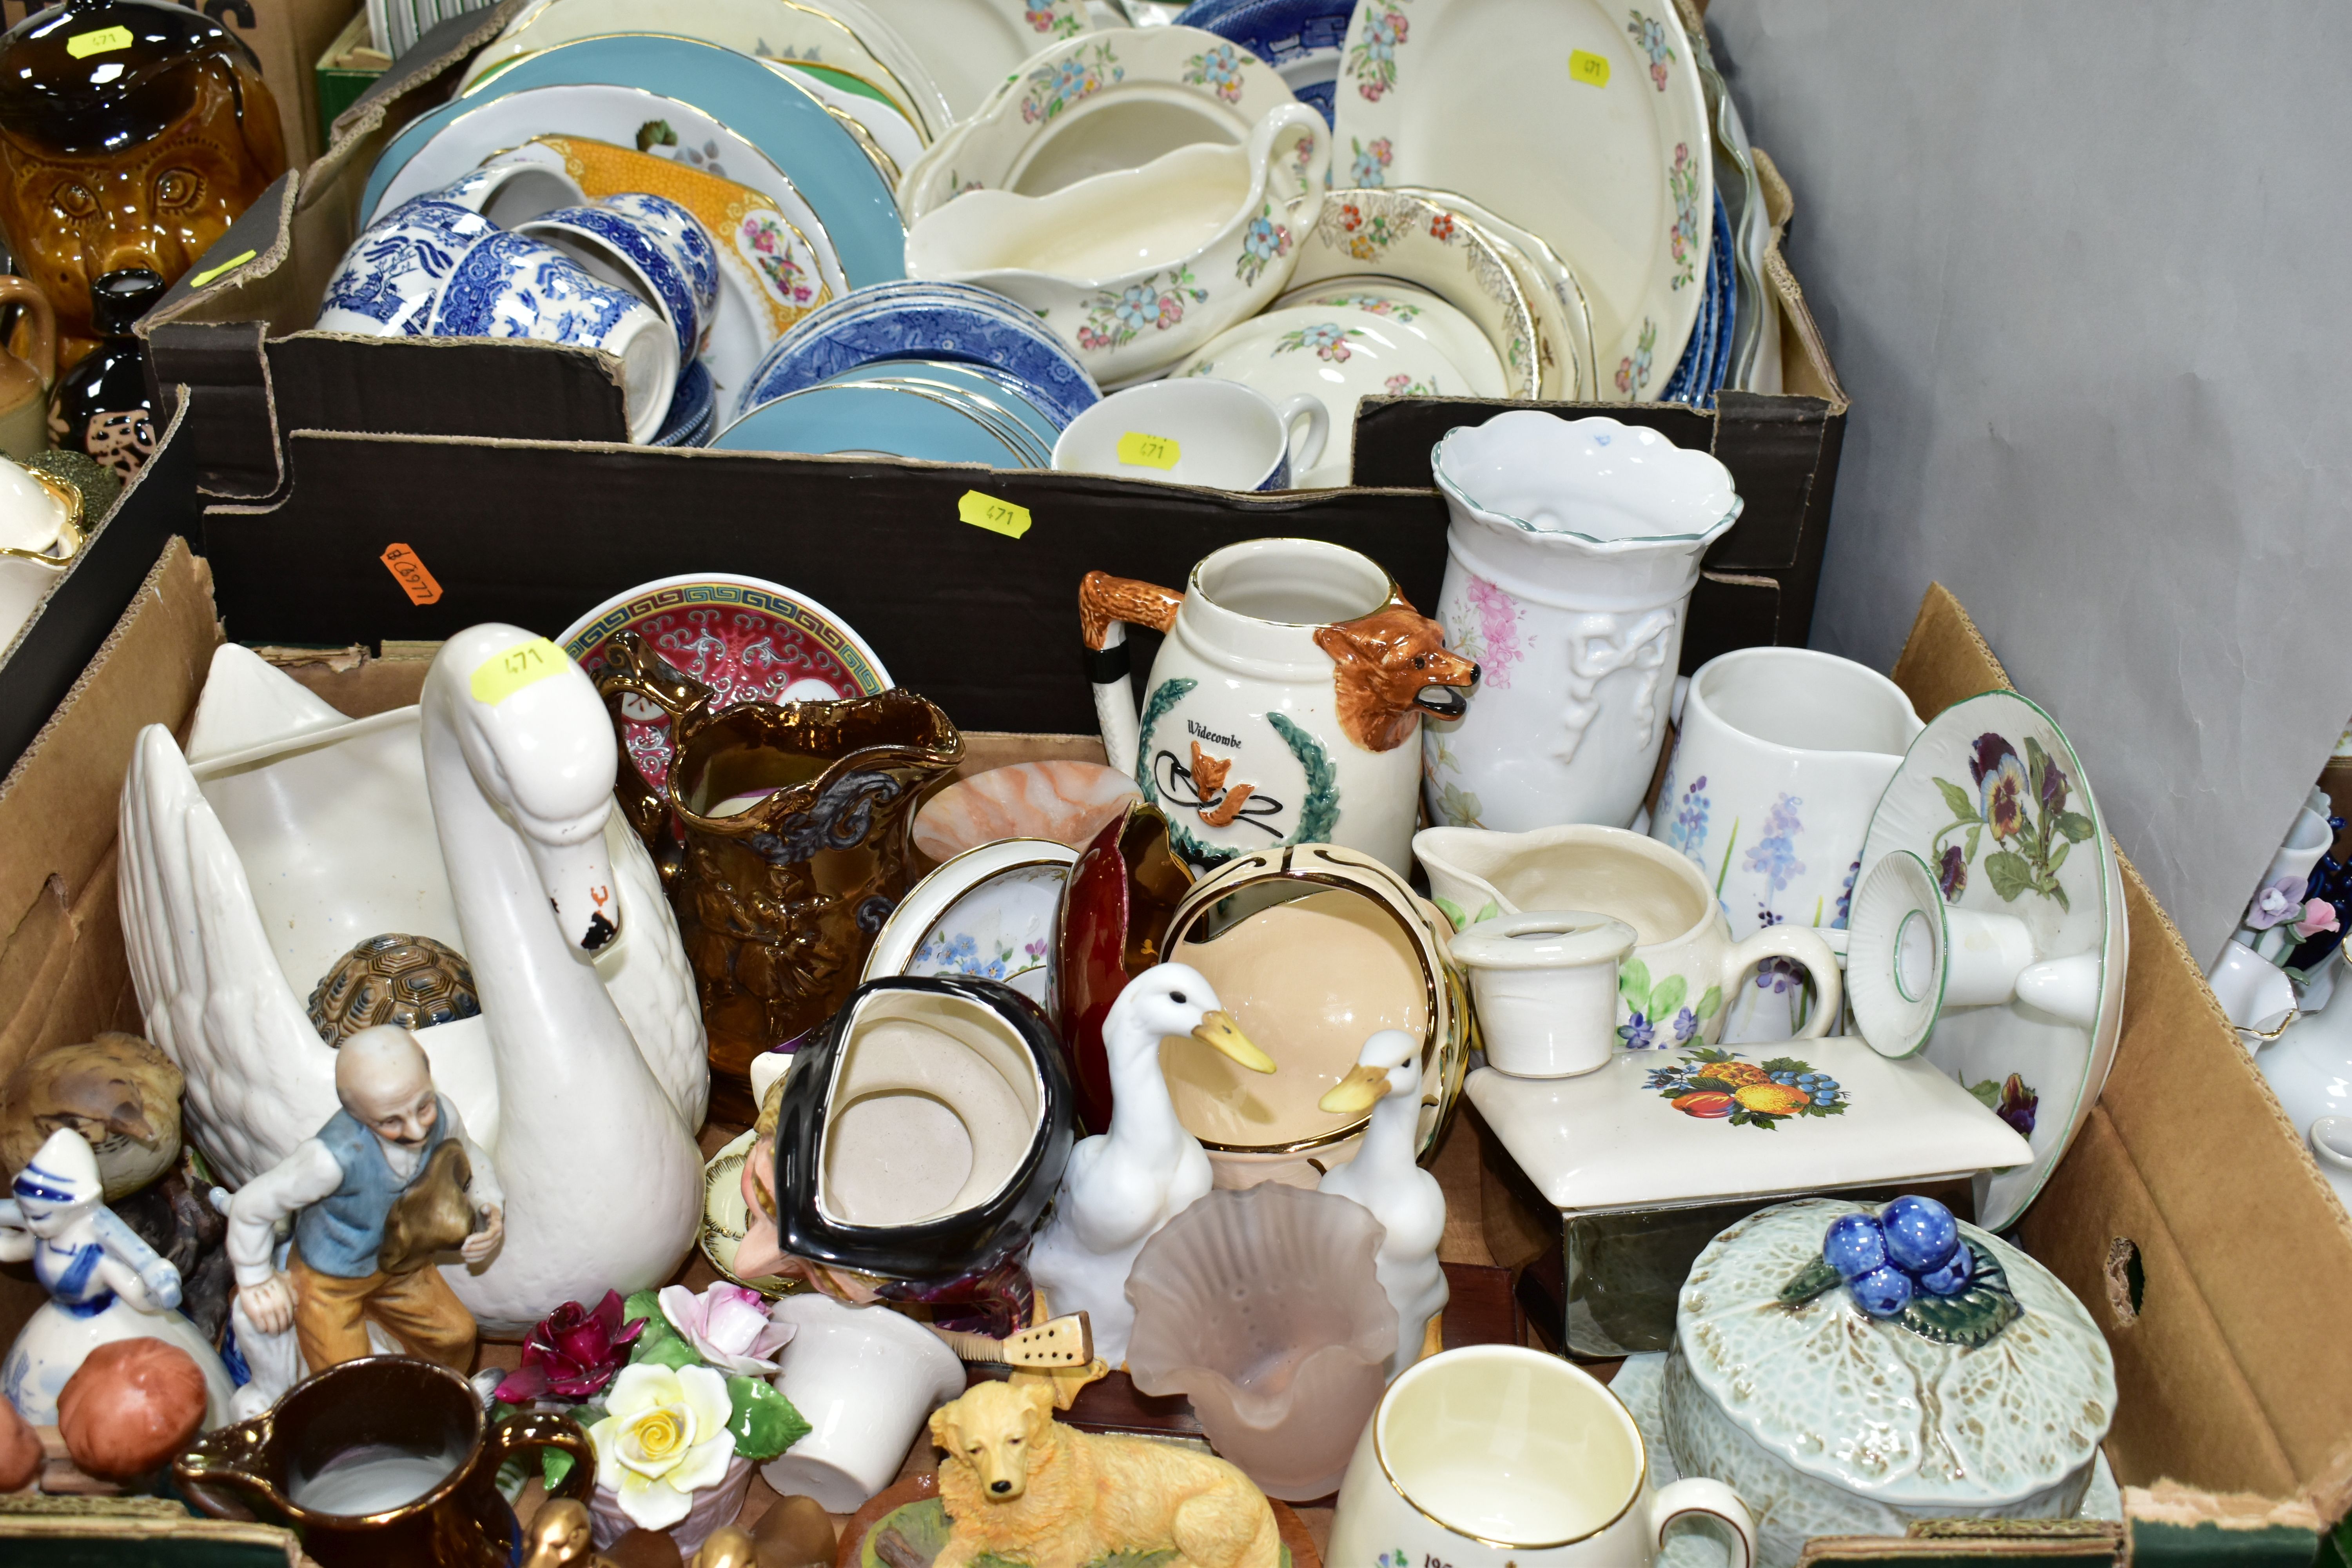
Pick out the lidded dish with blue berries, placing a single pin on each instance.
(1847, 1368)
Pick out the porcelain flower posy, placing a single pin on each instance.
(573, 1352)
(665, 1439)
(728, 1326)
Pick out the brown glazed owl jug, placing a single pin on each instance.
(783, 836)
(132, 133)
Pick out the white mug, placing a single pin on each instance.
(1502, 1457)
(1545, 983)
(1220, 433)
(865, 1379)
(1779, 762)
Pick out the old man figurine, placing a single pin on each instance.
(338, 1186)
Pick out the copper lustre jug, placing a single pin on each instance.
(132, 133)
(783, 836)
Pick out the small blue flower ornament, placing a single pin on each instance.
(1909, 1262)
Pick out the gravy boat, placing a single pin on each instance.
(1137, 268)
(1672, 988)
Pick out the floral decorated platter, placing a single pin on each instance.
(1095, 103)
(1347, 341)
(1994, 800)
(1563, 319)
(917, 320)
(849, 35)
(748, 639)
(1449, 93)
(988, 914)
(970, 46)
(1691, 1124)
(1389, 233)
(823, 163)
(1303, 40)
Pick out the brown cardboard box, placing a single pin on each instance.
(2233, 1370)
(259, 377)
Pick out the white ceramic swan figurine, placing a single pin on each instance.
(1384, 1177)
(482, 817)
(1122, 1186)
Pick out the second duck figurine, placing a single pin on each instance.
(1405, 1199)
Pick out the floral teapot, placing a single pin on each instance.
(1282, 704)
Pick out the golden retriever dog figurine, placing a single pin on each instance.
(1019, 1486)
(1391, 666)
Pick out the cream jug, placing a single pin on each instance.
(1285, 701)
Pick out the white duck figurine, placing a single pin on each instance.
(1384, 1177)
(1122, 1186)
(483, 819)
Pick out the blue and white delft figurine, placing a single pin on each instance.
(104, 1284)
(1385, 1178)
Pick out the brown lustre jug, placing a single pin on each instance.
(132, 133)
(385, 1462)
(783, 836)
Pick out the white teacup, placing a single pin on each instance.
(1196, 432)
(1502, 1457)
(1779, 762)
(865, 1379)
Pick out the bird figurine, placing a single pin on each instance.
(487, 824)
(1122, 1186)
(121, 1094)
(1384, 1177)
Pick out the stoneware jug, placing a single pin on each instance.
(385, 1462)
(1502, 1457)
(781, 833)
(1283, 703)
(1573, 550)
(1671, 988)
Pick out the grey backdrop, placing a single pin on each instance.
(2082, 267)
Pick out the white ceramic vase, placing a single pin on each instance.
(1569, 562)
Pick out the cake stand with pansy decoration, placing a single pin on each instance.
(1993, 800)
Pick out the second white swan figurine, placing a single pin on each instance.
(1384, 1177)
(482, 818)
(1122, 1186)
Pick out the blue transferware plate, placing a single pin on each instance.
(890, 421)
(824, 161)
(693, 407)
(926, 321)
(1303, 40)
(1728, 288)
(1710, 338)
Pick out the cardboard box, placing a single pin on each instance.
(258, 375)
(286, 36)
(2233, 1370)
